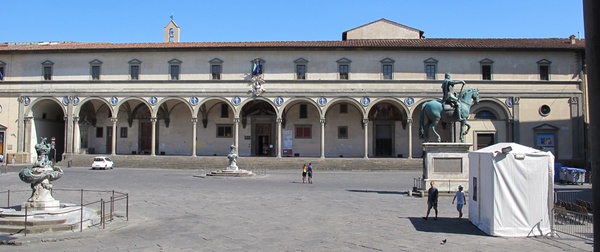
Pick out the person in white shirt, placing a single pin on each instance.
(460, 195)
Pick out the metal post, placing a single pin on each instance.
(127, 206)
(103, 212)
(8, 202)
(112, 205)
(25, 232)
(81, 212)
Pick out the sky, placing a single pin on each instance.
(130, 21)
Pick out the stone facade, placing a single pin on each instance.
(192, 98)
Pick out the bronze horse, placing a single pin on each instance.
(434, 112)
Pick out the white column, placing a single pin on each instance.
(279, 120)
(114, 136)
(366, 136)
(69, 127)
(409, 121)
(322, 138)
(236, 133)
(76, 136)
(153, 150)
(194, 136)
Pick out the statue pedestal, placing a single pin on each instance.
(40, 205)
(447, 164)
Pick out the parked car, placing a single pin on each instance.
(102, 163)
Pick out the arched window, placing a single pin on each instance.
(485, 114)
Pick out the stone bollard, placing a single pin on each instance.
(409, 193)
(422, 193)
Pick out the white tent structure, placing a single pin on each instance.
(512, 190)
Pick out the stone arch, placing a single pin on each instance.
(493, 105)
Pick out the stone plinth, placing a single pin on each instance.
(41, 205)
(447, 164)
(231, 173)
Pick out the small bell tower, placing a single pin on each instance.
(171, 32)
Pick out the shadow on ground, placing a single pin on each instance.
(375, 191)
(446, 225)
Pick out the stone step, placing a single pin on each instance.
(31, 222)
(211, 163)
(38, 229)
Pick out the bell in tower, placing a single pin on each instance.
(171, 32)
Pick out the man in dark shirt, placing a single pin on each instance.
(432, 199)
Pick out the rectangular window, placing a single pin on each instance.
(134, 72)
(303, 111)
(47, 73)
(95, 72)
(304, 131)
(1, 73)
(486, 72)
(224, 131)
(174, 72)
(544, 72)
(343, 72)
(387, 72)
(430, 71)
(484, 140)
(343, 108)
(343, 132)
(301, 72)
(99, 132)
(123, 132)
(224, 110)
(215, 70)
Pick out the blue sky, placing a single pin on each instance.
(128, 21)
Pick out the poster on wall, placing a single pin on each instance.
(287, 143)
(545, 142)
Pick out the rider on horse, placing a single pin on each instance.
(449, 94)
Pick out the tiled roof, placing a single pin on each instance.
(378, 44)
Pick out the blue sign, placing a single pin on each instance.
(365, 101)
(153, 100)
(509, 102)
(236, 100)
(114, 100)
(66, 101)
(194, 100)
(322, 101)
(409, 101)
(279, 100)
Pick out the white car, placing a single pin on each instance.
(102, 163)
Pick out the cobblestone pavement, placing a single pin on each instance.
(173, 210)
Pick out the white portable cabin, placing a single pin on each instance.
(512, 190)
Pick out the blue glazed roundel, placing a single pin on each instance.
(66, 101)
(322, 101)
(75, 100)
(194, 100)
(153, 100)
(409, 101)
(365, 101)
(279, 100)
(114, 100)
(509, 102)
(236, 100)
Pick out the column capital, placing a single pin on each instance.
(114, 120)
(236, 120)
(409, 120)
(323, 120)
(365, 121)
(153, 119)
(279, 120)
(76, 119)
(194, 120)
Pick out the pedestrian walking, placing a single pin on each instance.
(304, 171)
(459, 196)
(432, 198)
(310, 173)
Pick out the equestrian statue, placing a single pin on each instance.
(454, 107)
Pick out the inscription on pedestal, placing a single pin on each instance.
(454, 165)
